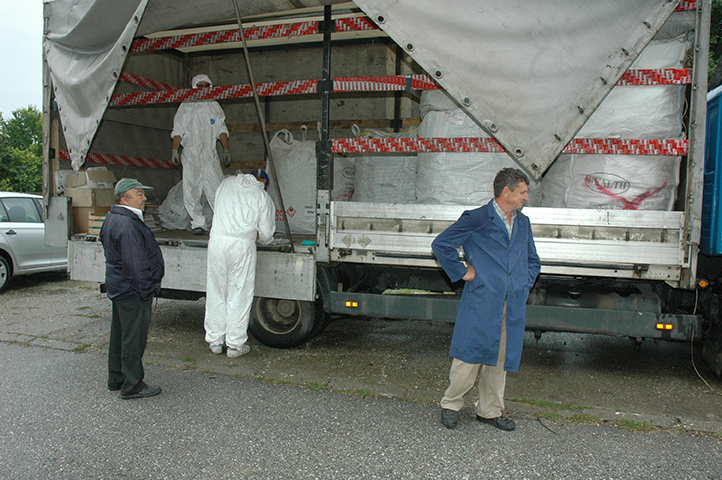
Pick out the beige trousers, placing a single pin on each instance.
(492, 382)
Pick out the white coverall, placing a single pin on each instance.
(243, 209)
(199, 124)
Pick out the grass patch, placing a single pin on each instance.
(632, 426)
(189, 359)
(316, 385)
(584, 418)
(83, 308)
(81, 348)
(89, 287)
(553, 416)
(190, 366)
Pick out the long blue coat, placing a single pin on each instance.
(505, 270)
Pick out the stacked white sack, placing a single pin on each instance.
(456, 177)
(639, 182)
(295, 162)
(383, 177)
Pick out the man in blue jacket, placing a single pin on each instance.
(502, 267)
(134, 268)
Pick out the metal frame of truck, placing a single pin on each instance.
(621, 273)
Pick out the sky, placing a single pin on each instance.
(21, 55)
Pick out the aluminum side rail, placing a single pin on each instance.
(605, 243)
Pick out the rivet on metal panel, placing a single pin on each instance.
(438, 73)
(493, 127)
(535, 166)
(124, 48)
(380, 19)
(519, 152)
(581, 109)
(556, 135)
(647, 24)
(624, 51)
(410, 47)
(604, 80)
(115, 74)
(136, 19)
(466, 101)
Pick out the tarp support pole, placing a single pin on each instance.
(263, 124)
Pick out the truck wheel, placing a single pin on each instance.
(4, 272)
(281, 323)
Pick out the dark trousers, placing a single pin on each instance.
(128, 337)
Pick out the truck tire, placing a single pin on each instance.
(282, 323)
(5, 272)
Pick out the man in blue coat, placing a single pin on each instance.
(134, 269)
(502, 267)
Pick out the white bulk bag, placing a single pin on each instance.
(385, 178)
(613, 182)
(454, 177)
(295, 162)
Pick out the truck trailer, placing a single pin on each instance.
(602, 104)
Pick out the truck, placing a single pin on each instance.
(565, 91)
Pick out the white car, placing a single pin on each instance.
(22, 238)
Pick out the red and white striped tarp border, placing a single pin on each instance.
(686, 5)
(120, 160)
(659, 76)
(145, 82)
(350, 84)
(593, 146)
(577, 145)
(295, 87)
(251, 33)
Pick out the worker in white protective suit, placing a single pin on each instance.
(244, 211)
(196, 126)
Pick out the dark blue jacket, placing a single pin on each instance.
(505, 271)
(134, 264)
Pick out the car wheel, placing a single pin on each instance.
(5, 272)
(282, 323)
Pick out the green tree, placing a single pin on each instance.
(21, 151)
(715, 44)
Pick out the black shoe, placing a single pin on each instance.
(502, 423)
(449, 417)
(147, 391)
(198, 231)
(114, 387)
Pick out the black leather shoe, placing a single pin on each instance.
(114, 387)
(449, 417)
(502, 423)
(147, 391)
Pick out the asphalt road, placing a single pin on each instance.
(359, 401)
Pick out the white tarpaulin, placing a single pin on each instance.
(531, 73)
(85, 45)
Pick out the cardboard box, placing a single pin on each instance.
(82, 216)
(92, 179)
(91, 197)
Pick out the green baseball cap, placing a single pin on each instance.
(125, 184)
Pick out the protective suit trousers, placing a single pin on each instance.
(492, 382)
(128, 337)
(197, 181)
(229, 290)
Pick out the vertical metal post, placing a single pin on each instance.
(325, 87)
(324, 153)
(696, 149)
